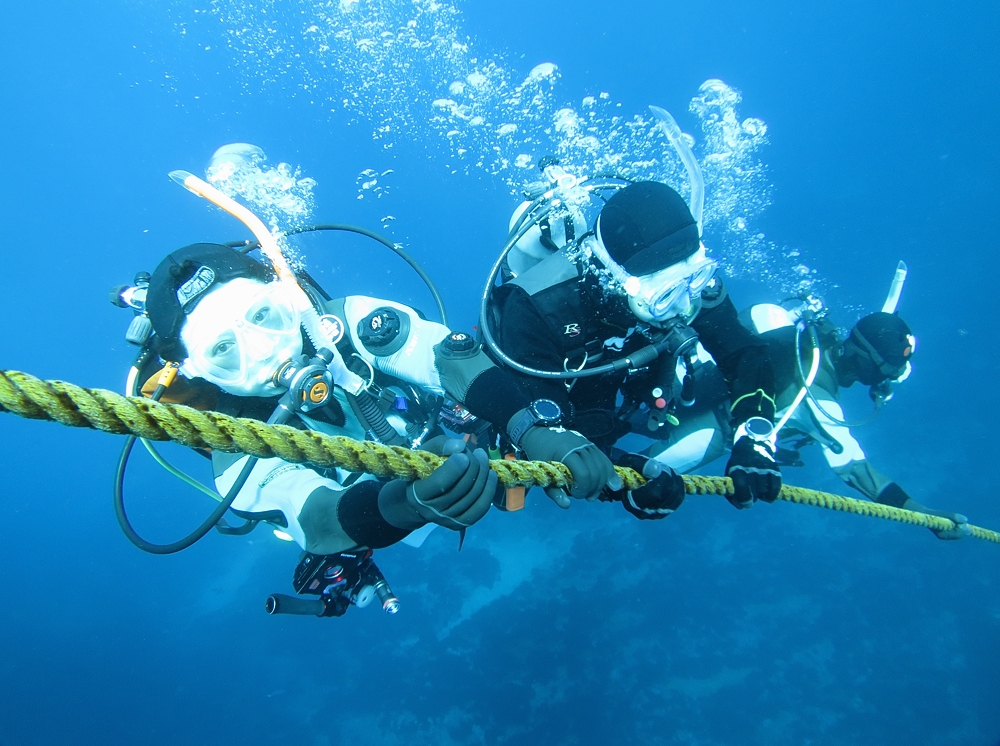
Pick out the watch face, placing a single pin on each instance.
(759, 428)
(546, 409)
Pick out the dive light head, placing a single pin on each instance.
(140, 329)
(390, 604)
(131, 296)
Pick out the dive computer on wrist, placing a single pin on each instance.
(758, 429)
(544, 412)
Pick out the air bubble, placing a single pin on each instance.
(279, 195)
(409, 70)
(540, 72)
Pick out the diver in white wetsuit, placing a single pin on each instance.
(876, 352)
(238, 336)
(259, 339)
(251, 342)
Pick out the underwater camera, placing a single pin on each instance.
(340, 580)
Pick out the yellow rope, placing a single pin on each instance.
(75, 406)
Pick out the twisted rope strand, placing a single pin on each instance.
(75, 406)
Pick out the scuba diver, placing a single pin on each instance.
(876, 352)
(252, 338)
(813, 360)
(601, 318)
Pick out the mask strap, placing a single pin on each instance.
(880, 362)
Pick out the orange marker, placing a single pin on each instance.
(515, 495)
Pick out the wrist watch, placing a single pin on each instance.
(544, 412)
(758, 429)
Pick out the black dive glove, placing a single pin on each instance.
(895, 496)
(658, 498)
(754, 473)
(460, 491)
(592, 471)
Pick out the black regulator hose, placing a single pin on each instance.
(367, 410)
(812, 397)
(539, 209)
(209, 523)
(639, 359)
(346, 228)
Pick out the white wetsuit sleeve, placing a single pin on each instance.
(851, 464)
(852, 450)
(278, 485)
(767, 317)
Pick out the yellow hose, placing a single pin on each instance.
(267, 243)
(33, 398)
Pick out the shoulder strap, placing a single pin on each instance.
(551, 271)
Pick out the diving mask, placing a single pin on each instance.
(663, 295)
(240, 334)
(672, 292)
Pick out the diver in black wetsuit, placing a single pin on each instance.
(641, 280)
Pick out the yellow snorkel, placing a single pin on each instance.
(350, 382)
(267, 243)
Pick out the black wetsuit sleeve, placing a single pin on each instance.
(496, 397)
(360, 518)
(526, 337)
(743, 359)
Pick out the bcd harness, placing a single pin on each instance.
(570, 304)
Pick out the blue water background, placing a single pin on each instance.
(782, 625)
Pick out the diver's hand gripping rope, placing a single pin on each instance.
(33, 398)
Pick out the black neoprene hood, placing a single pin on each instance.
(647, 227)
(888, 334)
(192, 270)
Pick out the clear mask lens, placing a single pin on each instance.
(240, 334)
(666, 298)
(273, 311)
